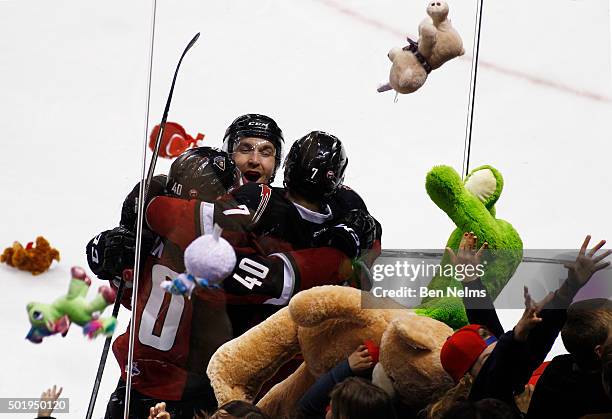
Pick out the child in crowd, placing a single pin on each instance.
(236, 409)
(574, 384)
(352, 397)
(358, 398)
(501, 366)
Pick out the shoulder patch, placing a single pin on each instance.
(265, 194)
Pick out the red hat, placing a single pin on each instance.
(461, 350)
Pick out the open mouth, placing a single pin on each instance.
(251, 176)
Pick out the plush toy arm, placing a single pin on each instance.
(79, 285)
(238, 369)
(447, 190)
(428, 36)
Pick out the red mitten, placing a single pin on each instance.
(174, 141)
(373, 350)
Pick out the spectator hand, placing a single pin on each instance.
(522, 400)
(48, 398)
(586, 264)
(360, 361)
(530, 316)
(158, 412)
(467, 254)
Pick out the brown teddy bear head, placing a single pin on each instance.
(332, 323)
(409, 366)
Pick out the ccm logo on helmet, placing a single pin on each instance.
(263, 125)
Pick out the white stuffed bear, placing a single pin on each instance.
(438, 43)
(209, 259)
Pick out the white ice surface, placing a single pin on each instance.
(73, 89)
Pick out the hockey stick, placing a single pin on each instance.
(143, 191)
(119, 296)
(102, 364)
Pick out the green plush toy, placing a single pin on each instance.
(471, 206)
(49, 319)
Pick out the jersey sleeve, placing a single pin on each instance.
(276, 278)
(129, 209)
(347, 199)
(267, 269)
(182, 221)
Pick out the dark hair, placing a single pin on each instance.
(356, 398)
(482, 409)
(606, 369)
(239, 409)
(588, 324)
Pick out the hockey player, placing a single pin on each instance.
(313, 212)
(169, 342)
(314, 206)
(255, 143)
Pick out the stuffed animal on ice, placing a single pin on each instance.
(438, 43)
(209, 259)
(49, 319)
(325, 324)
(174, 141)
(34, 259)
(470, 204)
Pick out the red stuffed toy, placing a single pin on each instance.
(174, 141)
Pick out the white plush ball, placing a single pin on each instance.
(210, 257)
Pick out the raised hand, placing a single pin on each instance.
(586, 264)
(48, 399)
(531, 314)
(467, 255)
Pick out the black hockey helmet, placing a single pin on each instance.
(201, 173)
(254, 125)
(315, 165)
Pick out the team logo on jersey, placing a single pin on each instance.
(265, 194)
(331, 174)
(135, 370)
(220, 162)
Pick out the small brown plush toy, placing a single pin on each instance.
(326, 324)
(34, 259)
(438, 43)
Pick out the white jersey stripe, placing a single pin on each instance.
(288, 283)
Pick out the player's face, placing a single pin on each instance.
(255, 158)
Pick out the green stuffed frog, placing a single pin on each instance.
(471, 205)
(49, 319)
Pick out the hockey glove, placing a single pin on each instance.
(355, 231)
(113, 251)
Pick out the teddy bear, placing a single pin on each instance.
(325, 324)
(438, 43)
(50, 319)
(34, 259)
(470, 204)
